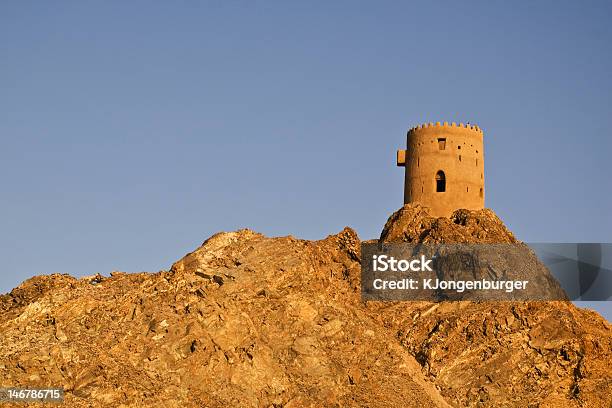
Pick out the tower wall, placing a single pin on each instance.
(455, 150)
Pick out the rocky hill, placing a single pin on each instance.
(251, 321)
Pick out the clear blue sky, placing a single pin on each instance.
(132, 131)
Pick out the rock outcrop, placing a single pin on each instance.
(412, 223)
(251, 321)
(498, 255)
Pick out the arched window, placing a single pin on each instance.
(440, 182)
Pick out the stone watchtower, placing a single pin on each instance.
(444, 167)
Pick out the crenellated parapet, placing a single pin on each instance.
(447, 124)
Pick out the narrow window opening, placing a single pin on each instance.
(476, 162)
(481, 192)
(459, 148)
(418, 162)
(467, 189)
(442, 143)
(459, 157)
(440, 182)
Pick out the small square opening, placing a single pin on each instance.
(442, 143)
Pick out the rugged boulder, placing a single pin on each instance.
(412, 223)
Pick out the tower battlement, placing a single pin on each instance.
(446, 124)
(444, 167)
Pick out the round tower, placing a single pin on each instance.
(444, 167)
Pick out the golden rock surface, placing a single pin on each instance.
(251, 321)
